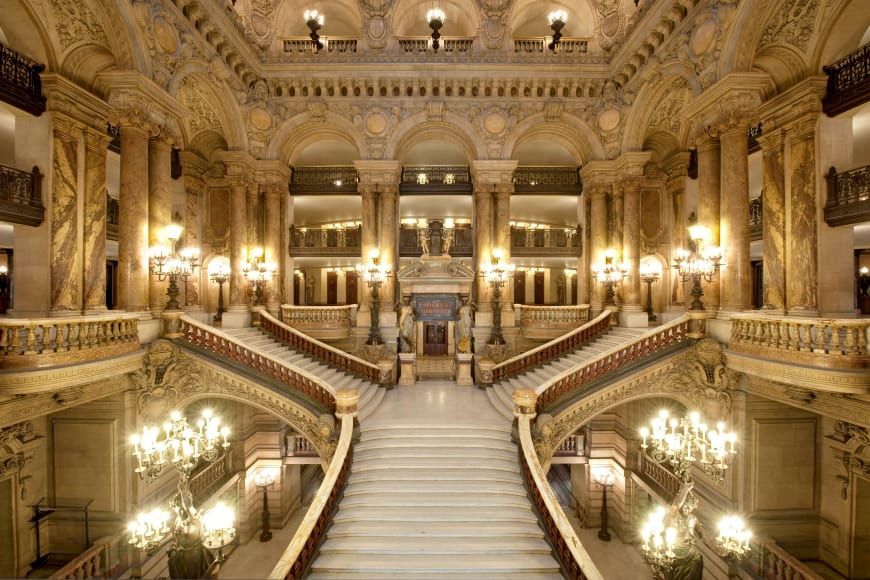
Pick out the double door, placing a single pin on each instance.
(435, 338)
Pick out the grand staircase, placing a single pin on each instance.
(370, 396)
(500, 395)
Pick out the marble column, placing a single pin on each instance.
(773, 207)
(501, 213)
(709, 200)
(272, 242)
(252, 211)
(133, 217)
(389, 234)
(238, 246)
(194, 189)
(368, 234)
(631, 242)
(94, 232)
(159, 210)
(616, 215)
(483, 226)
(801, 272)
(736, 276)
(677, 189)
(582, 289)
(66, 256)
(598, 230)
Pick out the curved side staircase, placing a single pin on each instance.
(370, 396)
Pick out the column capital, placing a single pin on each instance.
(66, 97)
(130, 90)
(772, 140)
(492, 171)
(734, 98)
(790, 106)
(66, 128)
(96, 140)
(239, 165)
(378, 171)
(803, 128)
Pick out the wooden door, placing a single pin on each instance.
(539, 288)
(574, 290)
(111, 284)
(757, 284)
(435, 339)
(350, 287)
(520, 287)
(331, 288)
(298, 288)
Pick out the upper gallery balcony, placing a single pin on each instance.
(848, 82)
(326, 179)
(848, 196)
(20, 85)
(435, 179)
(337, 240)
(535, 240)
(547, 179)
(21, 196)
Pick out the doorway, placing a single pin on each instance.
(331, 288)
(520, 287)
(435, 339)
(539, 288)
(350, 287)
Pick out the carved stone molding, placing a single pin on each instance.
(837, 406)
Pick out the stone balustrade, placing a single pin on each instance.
(203, 482)
(816, 341)
(331, 44)
(88, 564)
(321, 322)
(43, 342)
(299, 446)
(21, 196)
(771, 561)
(549, 321)
(660, 475)
(539, 45)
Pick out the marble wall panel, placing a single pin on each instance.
(66, 258)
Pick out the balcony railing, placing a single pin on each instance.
(546, 241)
(848, 196)
(550, 321)
(21, 196)
(429, 179)
(769, 560)
(333, 179)
(848, 82)
(462, 246)
(20, 85)
(321, 322)
(660, 475)
(331, 44)
(204, 481)
(539, 45)
(756, 219)
(299, 446)
(322, 241)
(449, 44)
(113, 217)
(544, 179)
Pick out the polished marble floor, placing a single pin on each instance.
(436, 403)
(256, 559)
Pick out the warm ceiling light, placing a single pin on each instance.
(314, 20)
(435, 17)
(557, 20)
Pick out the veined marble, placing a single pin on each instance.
(96, 191)
(66, 263)
(774, 221)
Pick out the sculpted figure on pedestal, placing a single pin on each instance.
(407, 326)
(464, 324)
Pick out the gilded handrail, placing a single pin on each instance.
(298, 555)
(573, 557)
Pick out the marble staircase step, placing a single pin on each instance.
(459, 564)
(424, 445)
(422, 514)
(446, 501)
(443, 463)
(449, 486)
(481, 529)
(433, 454)
(449, 546)
(403, 575)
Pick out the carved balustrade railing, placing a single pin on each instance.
(436, 174)
(848, 196)
(824, 342)
(20, 85)
(323, 179)
(204, 481)
(232, 350)
(297, 557)
(771, 562)
(756, 219)
(321, 322)
(89, 564)
(299, 446)
(848, 82)
(449, 44)
(42, 342)
(547, 179)
(551, 350)
(331, 44)
(570, 46)
(113, 217)
(643, 347)
(325, 241)
(546, 241)
(572, 446)
(567, 547)
(461, 247)
(21, 196)
(660, 475)
(334, 357)
(538, 321)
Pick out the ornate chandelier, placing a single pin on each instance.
(557, 20)
(435, 17)
(165, 263)
(702, 264)
(314, 21)
(610, 272)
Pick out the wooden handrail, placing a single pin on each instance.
(229, 348)
(299, 554)
(645, 345)
(568, 549)
(321, 351)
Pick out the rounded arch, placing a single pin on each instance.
(342, 18)
(572, 133)
(408, 18)
(26, 34)
(658, 108)
(417, 128)
(841, 35)
(212, 105)
(300, 130)
(529, 18)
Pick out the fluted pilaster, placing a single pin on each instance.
(159, 208)
(802, 268)
(709, 204)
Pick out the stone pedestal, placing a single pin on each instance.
(497, 352)
(408, 369)
(374, 352)
(484, 371)
(463, 369)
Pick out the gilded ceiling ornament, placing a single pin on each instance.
(792, 24)
(76, 23)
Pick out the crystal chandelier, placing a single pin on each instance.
(702, 264)
(687, 441)
(258, 271)
(557, 20)
(374, 274)
(435, 18)
(314, 21)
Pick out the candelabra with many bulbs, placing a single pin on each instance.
(497, 273)
(668, 534)
(435, 18)
(167, 264)
(259, 272)
(610, 273)
(314, 21)
(374, 274)
(557, 20)
(702, 264)
(178, 445)
(219, 273)
(650, 273)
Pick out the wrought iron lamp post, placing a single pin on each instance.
(167, 264)
(374, 274)
(557, 20)
(649, 274)
(605, 479)
(314, 21)
(496, 274)
(219, 273)
(668, 536)
(259, 272)
(435, 17)
(264, 481)
(609, 273)
(182, 447)
(702, 264)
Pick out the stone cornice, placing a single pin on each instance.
(272, 171)
(125, 89)
(193, 164)
(65, 96)
(733, 96)
(632, 164)
(27, 382)
(239, 164)
(813, 378)
(805, 98)
(598, 172)
(378, 171)
(494, 171)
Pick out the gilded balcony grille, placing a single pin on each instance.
(331, 44)
(539, 45)
(429, 179)
(848, 196)
(113, 217)
(449, 44)
(546, 241)
(20, 85)
(336, 179)
(21, 196)
(462, 246)
(756, 219)
(848, 82)
(323, 241)
(540, 179)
